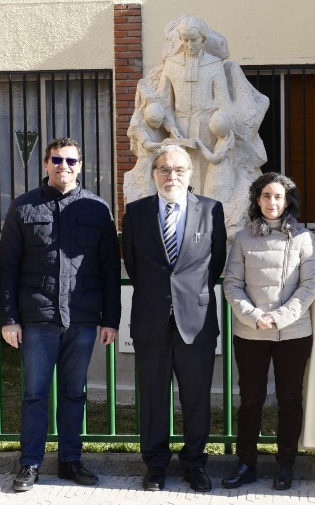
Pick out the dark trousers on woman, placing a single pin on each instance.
(253, 359)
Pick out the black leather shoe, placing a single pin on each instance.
(154, 479)
(74, 470)
(283, 478)
(26, 478)
(243, 475)
(198, 480)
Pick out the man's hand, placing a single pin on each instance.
(107, 335)
(12, 334)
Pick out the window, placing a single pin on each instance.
(289, 126)
(37, 107)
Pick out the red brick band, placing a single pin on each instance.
(128, 71)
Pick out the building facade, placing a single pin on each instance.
(71, 67)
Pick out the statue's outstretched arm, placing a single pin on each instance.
(210, 156)
(170, 126)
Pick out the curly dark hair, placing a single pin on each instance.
(291, 192)
(62, 142)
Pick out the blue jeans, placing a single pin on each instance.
(43, 347)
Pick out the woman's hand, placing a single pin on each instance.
(266, 321)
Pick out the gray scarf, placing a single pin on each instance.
(289, 226)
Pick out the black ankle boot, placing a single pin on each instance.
(283, 477)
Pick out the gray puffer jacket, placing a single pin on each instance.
(272, 271)
(59, 260)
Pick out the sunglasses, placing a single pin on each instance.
(57, 160)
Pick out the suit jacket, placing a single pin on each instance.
(189, 287)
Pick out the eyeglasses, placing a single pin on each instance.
(57, 160)
(167, 171)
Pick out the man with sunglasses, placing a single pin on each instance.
(59, 281)
(174, 251)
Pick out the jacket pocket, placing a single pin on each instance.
(203, 298)
(90, 297)
(199, 237)
(90, 230)
(38, 229)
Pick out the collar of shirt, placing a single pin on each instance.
(180, 216)
(180, 206)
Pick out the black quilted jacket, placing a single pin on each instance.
(59, 260)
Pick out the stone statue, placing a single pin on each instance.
(148, 131)
(220, 178)
(207, 106)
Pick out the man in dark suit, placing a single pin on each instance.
(174, 251)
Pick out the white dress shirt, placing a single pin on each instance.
(180, 211)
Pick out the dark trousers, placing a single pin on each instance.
(193, 366)
(253, 360)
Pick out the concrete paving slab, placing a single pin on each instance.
(121, 484)
(123, 490)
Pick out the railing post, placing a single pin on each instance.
(172, 409)
(137, 400)
(111, 388)
(53, 404)
(84, 420)
(227, 372)
(0, 385)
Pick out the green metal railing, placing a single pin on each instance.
(227, 437)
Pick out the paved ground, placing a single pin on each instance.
(123, 490)
(121, 483)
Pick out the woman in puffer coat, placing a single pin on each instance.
(270, 284)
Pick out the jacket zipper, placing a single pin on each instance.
(284, 271)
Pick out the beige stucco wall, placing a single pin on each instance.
(56, 34)
(70, 34)
(258, 32)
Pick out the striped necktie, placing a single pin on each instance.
(169, 234)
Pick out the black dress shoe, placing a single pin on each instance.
(154, 479)
(243, 475)
(74, 470)
(198, 479)
(26, 478)
(283, 477)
